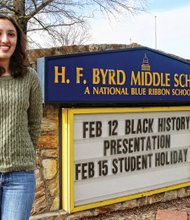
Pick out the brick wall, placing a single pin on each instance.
(47, 172)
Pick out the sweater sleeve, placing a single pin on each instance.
(35, 109)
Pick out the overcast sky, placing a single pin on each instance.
(169, 19)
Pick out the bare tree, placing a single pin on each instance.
(75, 34)
(46, 15)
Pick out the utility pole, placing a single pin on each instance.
(155, 33)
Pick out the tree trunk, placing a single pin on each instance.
(19, 15)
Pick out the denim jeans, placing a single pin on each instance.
(17, 191)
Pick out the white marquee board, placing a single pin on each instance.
(121, 153)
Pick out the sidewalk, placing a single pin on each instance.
(171, 215)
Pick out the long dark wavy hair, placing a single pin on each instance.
(19, 60)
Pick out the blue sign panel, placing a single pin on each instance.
(140, 75)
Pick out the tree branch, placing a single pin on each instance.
(38, 9)
(51, 26)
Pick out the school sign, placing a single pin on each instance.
(140, 75)
(114, 154)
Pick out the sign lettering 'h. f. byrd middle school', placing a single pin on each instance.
(139, 75)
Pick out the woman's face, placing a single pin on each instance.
(8, 39)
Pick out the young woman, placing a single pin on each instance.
(20, 120)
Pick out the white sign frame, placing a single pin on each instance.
(72, 189)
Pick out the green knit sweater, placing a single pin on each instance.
(20, 120)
